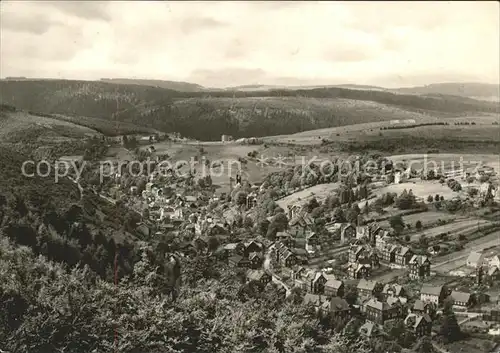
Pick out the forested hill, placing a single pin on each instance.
(207, 115)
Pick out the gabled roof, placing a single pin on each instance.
(398, 289)
(313, 299)
(368, 329)
(256, 275)
(236, 258)
(461, 296)
(421, 305)
(403, 251)
(367, 284)
(415, 320)
(419, 259)
(475, 257)
(376, 304)
(255, 255)
(334, 283)
(431, 290)
(493, 270)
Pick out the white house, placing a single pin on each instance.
(475, 259)
(494, 261)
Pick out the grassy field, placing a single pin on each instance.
(320, 192)
(448, 160)
(17, 126)
(427, 218)
(454, 229)
(483, 129)
(421, 189)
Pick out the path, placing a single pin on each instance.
(275, 277)
(80, 188)
(446, 266)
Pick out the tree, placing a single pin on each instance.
(424, 345)
(338, 215)
(396, 223)
(436, 198)
(312, 204)
(430, 199)
(241, 198)
(406, 200)
(450, 330)
(423, 241)
(418, 225)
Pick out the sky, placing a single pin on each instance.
(221, 44)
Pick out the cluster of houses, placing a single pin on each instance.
(486, 267)
(380, 248)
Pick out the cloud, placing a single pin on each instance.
(20, 23)
(232, 76)
(88, 10)
(195, 24)
(237, 43)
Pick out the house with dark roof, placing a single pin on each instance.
(347, 232)
(403, 255)
(433, 294)
(420, 267)
(310, 281)
(339, 308)
(358, 271)
(392, 290)
(368, 288)
(355, 252)
(379, 312)
(370, 330)
(256, 259)
(238, 261)
(421, 325)
(369, 257)
(462, 299)
(334, 288)
(286, 238)
(259, 276)
(288, 259)
(316, 300)
(389, 253)
(423, 307)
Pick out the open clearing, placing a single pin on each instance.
(447, 160)
(429, 217)
(15, 126)
(420, 188)
(319, 191)
(454, 228)
(483, 129)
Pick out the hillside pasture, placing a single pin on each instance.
(448, 160)
(426, 218)
(454, 229)
(420, 188)
(24, 127)
(320, 192)
(482, 132)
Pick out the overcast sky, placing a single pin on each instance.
(233, 43)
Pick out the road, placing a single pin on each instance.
(455, 260)
(80, 188)
(457, 228)
(276, 279)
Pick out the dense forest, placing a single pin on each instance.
(206, 115)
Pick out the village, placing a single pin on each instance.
(376, 249)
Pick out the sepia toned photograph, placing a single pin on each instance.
(249, 176)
